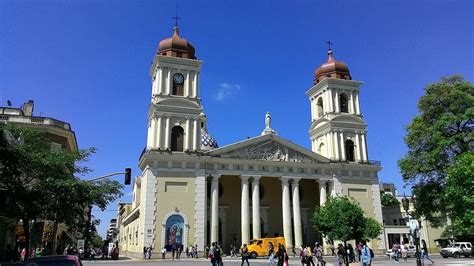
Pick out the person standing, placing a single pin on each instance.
(245, 255)
(280, 255)
(163, 253)
(144, 253)
(173, 251)
(320, 254)
(404, 250)
(365, 257)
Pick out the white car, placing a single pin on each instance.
(456, 250)
(411, 251)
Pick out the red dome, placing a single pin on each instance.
(331, 69)
(176, 46)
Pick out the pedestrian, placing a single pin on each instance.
(149, 250)
(424, 251)
(173, 251)
(302, 255)
(366, 255)
(319, 255)
(280, 255)
(340, 254)
(245, 255)
(196, 251)
(163, 253)
(309, 256)
(404, 250)
(179, 252)
(144, 253)
(271, 253)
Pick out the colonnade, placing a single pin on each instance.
(163, 82)
(287, 182)
(159, 133)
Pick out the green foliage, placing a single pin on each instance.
(38, 181)
(342, 219)
(436, 138)
(95, 241)
(372, 229)
(459, 194)
(388, 199)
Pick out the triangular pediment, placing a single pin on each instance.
(268, 148)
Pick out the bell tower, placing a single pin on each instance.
(174, 120)
(337, 129)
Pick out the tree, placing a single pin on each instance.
(459, 194)
(38, 180)
(441, 133)
(388, 199)
(342, 219)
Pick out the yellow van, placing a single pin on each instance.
(259, 247)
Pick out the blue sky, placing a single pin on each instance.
(87, 63)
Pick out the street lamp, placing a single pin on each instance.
(413, 225)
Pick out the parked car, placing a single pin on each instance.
(259, 247)
(411, 251)
(67, 260)
(456, 250)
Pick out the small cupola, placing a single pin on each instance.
(331, 69)
(176, 46)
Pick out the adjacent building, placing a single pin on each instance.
(396, 229)
(62, 136)
(193, 192)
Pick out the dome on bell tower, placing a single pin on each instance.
(175, 46)
(331, 69)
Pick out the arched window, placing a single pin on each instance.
(320, 107)
(343, 103)
(177, 138)
(178, 84)
(322, 149)
(349, 145)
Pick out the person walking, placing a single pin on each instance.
(245, 255)
(271, 253)
(365, 257)
(144, 253)
(319, 255)
(424, 254)
(309, 256)
(280, 255)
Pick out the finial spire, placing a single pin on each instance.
(329, 45)
(176, 18)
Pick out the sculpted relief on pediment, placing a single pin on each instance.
(268, 151)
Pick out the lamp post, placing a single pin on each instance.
(413, 226)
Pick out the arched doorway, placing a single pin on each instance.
(349, 146)
(174, 231)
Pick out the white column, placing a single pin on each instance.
(357, 106)
(244, 208)
(151, 133)
(187, 134)
(297, 213)
(196, 136)
(197, 85)
(168, 83)
(167, 133)
(364, 147)
(350, 104)
(194, 94)
(343, 146)
(330, 146)
(186, 84)
(285, 203)
(337, 102)
(256, 207)
(331, 104)
(326, 102)
(312, 109)
(322, 192)
(215, 208)
(336, 146)
(328, 150)
(358, 147)
(200, 210)
(159, 80)
(159, 133)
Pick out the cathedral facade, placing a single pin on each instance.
(192, 192)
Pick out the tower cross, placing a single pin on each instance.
(329, 44)
(176, 16)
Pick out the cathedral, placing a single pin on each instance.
(193, 192)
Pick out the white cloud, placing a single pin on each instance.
(225, 90)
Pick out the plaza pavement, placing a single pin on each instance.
(379, 260)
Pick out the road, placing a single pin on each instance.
(379, 260)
